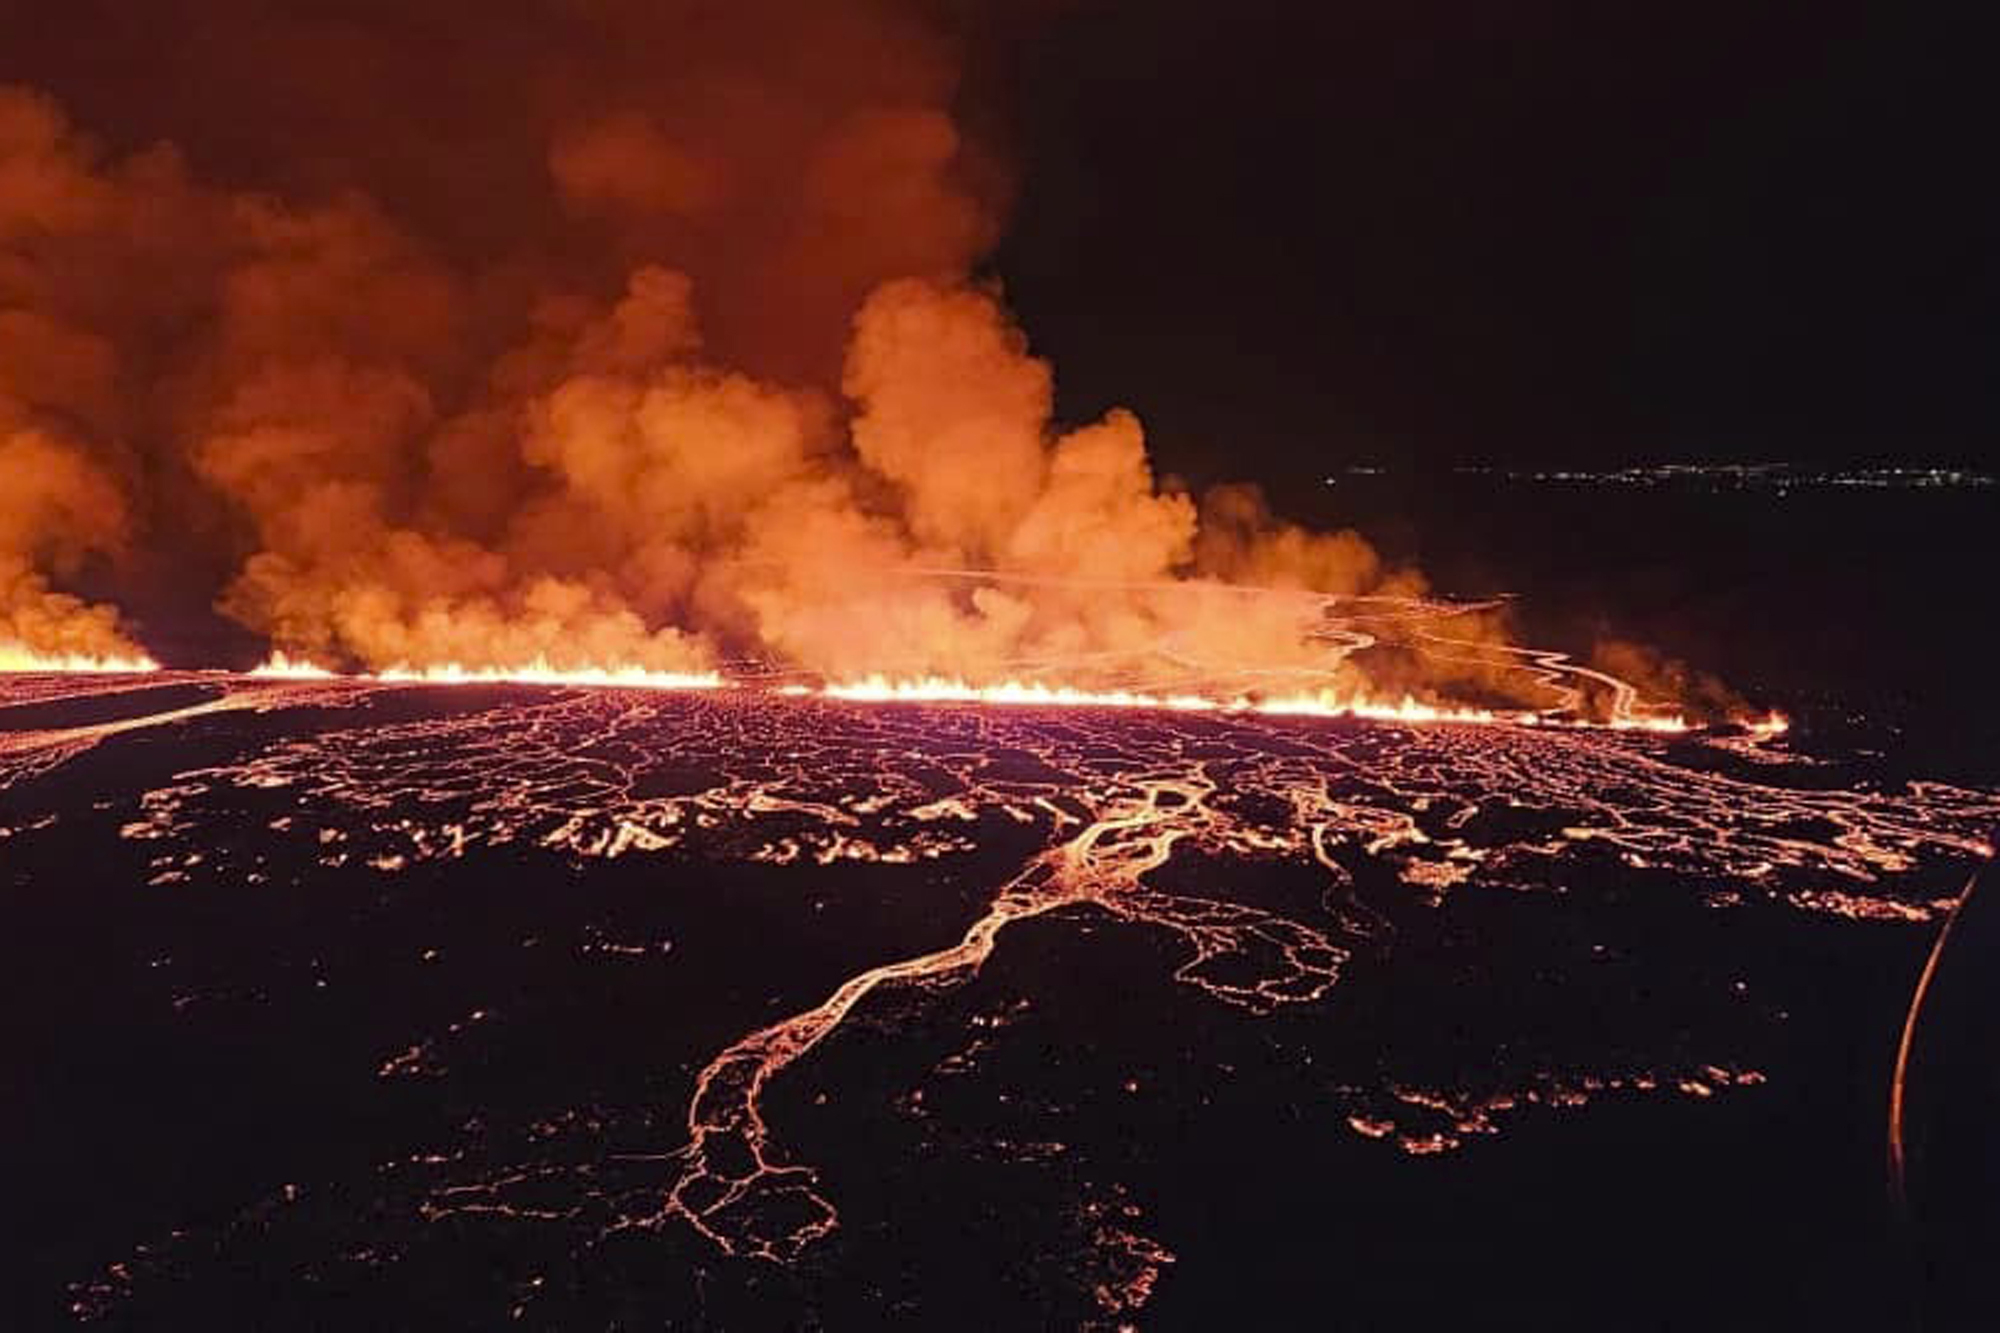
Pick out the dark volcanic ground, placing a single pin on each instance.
(361, 1006)
(353, 1006)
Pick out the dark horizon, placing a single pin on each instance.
(1443, 233)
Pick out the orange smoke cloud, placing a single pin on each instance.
(59, 501)
(1657, 676)
(55, 507)
(726, 387)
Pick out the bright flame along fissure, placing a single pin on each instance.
(543, 672)
(282, 666)
(939, 689)
(16, 658)
(1325, 703)
(1771, 724)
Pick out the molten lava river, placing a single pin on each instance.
(388, 1003)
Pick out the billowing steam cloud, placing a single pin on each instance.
(671, 355)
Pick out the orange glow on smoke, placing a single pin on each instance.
(16, 658)
(755, 437)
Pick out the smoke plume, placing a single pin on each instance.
(601, 333)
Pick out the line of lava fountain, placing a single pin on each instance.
(283, 666)
(540, 671)
(17, 659)
(934, 689)
(1323, 703)
(1764, 728)
(951, 690)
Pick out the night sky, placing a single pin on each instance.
(1512, 233)
(1294, 233)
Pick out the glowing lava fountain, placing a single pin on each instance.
(17, 659)
(1326, 703)
(540, 671)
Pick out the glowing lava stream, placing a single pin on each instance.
(23, 754)
(751, 1206)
